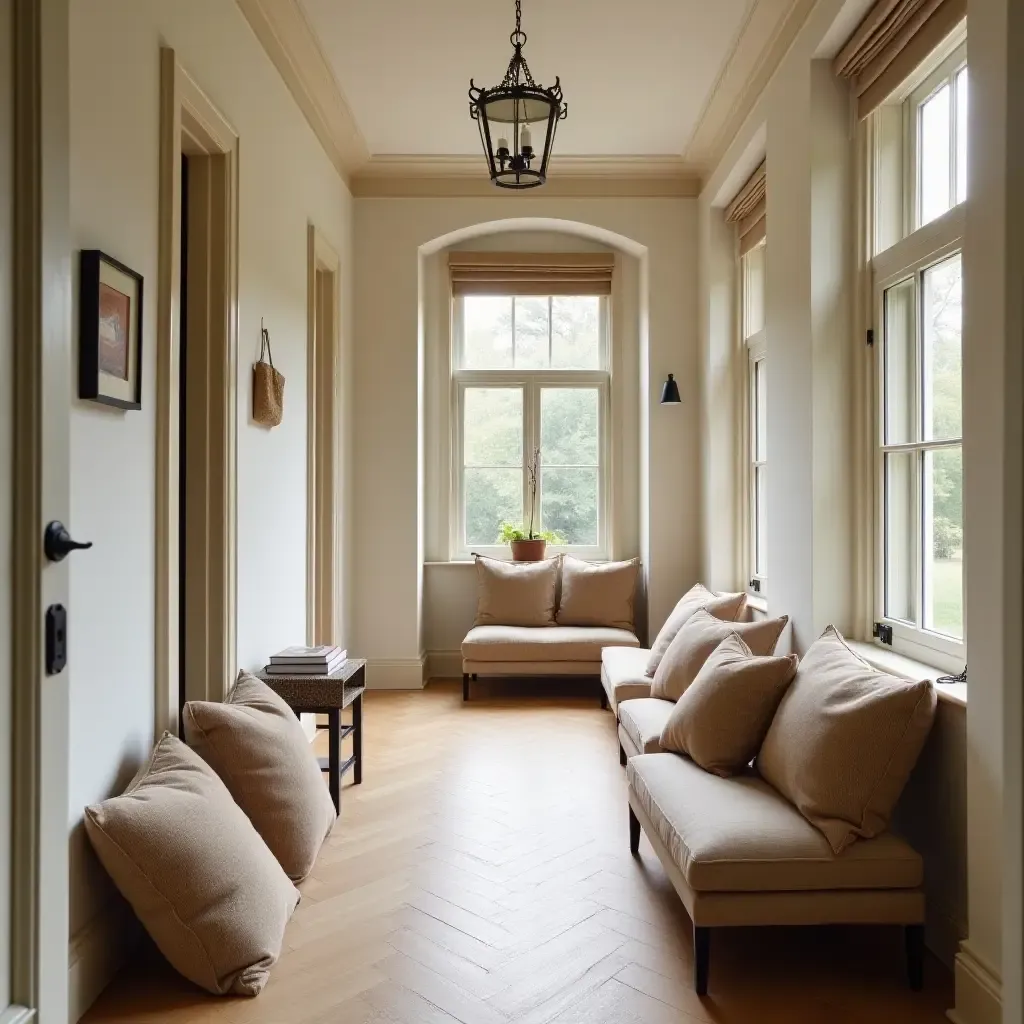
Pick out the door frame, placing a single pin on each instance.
(41, 492)
(191, 124)
(323, 440)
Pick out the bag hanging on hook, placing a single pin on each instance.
(267, 385)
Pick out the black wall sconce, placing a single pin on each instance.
(670, 392)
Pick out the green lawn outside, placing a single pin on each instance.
(947, 593)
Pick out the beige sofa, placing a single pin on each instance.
(738, 853)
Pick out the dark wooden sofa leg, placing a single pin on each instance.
(622, 756)
(701, 959)
(915, 956)
(465, 686)
(634, 833)
(604, 699)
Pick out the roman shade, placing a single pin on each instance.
(747, 211)
(891, 41)
(523, 273)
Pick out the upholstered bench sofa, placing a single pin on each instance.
(548, 618)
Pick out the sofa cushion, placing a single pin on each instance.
(597, 594)
(845, 739)
(739, 835)
(622, 674)
(515, 593)
(195, 871)
(727, 607)
(643, 719)
(551, 643)
(254, 742)
(695, 641)
(723, 715)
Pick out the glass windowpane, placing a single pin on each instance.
(568, 503)
(901, 517)
(943, 542)
(532, 346)
(493, 427)
(760, 412)
(493, 496)
(934, 155)
(961, 135)
(576, 332)
(943, 291)
(487, 332)
(760, 521)
(569, 426)
(900, 363)
(753, 291)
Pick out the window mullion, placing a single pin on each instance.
(513, 332)
(550, 331)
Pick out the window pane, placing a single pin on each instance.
(493, 427)
(569, 426)
(487, 332)
(943, 542)
(532, 333)
(933, 155)
(753, 291)
(493, 496)
(900, 527)
(942, 350)
(576, 332)
(900, 363)
(760, 412)
(961, 135)
(760, 522)
(568, 504)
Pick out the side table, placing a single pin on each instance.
(330, 695)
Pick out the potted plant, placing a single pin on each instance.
(528, 545)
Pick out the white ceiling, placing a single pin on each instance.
(636, 73)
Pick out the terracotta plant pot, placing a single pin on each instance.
(528, 550)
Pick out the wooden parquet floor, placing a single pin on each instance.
(481, 874)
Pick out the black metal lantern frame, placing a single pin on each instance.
(504, 115)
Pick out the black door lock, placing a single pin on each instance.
(56, 639)
(57, 542)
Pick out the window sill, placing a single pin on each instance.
(757, 603)
(909, 668)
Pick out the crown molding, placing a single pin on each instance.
(767, 34)
(294, 49)
(570, 176)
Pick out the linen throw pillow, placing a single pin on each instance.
(695, 641)
(844, 741)
(256, 745)
(597, 594)
(198, 876)
(723, 715)
(727, 607)
(515, 593)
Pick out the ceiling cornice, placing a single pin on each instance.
(293, 47)
(769, 31)
(571, 176)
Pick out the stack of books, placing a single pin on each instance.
(307, 661)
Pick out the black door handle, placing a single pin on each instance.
(57, 542)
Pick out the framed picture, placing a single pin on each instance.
(109, 331)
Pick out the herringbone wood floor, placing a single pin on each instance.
(482, 874)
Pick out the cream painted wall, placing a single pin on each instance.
(392, 324)
(285, 181)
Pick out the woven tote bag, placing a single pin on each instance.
(267, 386)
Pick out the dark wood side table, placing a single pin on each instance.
(330, 695)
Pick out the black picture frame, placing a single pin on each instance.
(93, 383)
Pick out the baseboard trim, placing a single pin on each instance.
(394, 673)
(96, 953)
(979, 991)
(444, 664)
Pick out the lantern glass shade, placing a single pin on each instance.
(670, 392)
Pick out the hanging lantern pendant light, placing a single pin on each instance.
(504, 114)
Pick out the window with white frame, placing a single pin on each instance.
(921, 180)
(752, 283)
(530, 375)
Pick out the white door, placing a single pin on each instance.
(35, 390)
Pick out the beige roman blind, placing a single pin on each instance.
(747, 211)
(522, 273)
(894, 38)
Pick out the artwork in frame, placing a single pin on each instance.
(109, 331)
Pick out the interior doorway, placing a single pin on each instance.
(196, 404)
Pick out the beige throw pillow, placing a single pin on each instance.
(256, 745)
(597, 594)
(844, 741)
(197, 874)
(695, 641)
(723, 715)
(727, 607)
(515, 593)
